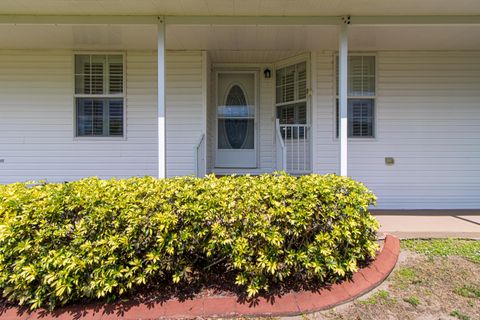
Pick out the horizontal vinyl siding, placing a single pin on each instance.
(428, 119)
(184, 119)
(326, 159)
(37, 118)
(37, 121)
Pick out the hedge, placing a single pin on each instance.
(93, 238)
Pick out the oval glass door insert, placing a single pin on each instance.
(236, 121)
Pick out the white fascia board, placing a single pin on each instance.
(253, 20)
(415, 20)
(238, 20)
(66, 20)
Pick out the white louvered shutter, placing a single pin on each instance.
(115, 74)
(99, 95)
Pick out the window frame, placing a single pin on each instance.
(285, 63)
(122, 96)
(374, 98)
(290, 62)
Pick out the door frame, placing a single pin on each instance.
(237, 69)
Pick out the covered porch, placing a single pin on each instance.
(416, 81)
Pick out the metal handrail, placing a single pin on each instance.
(296, 141)
(197, 148)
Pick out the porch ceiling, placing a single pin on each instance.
(239, 38)
(242, 7)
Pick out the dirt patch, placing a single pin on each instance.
(420, 287)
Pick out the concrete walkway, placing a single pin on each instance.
(429, 223)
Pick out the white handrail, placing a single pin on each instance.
(282, 152)
(295, 125)
(198, 168)
(296, 142)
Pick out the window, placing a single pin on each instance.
(99, 95)
(291, 95)
(361, 97)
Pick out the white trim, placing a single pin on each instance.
(236, 66)
(239, 20)
(326, 20)
(161, 101)
(416, 20)
(254, 20)
(343, 99)
(77, 19)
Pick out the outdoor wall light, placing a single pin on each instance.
(267, 73)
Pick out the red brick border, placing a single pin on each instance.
(290, 304)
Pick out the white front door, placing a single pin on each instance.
(235, 119)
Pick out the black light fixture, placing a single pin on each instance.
(267, 73)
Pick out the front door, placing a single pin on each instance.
(235, 119)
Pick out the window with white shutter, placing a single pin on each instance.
(361, 97)
(291, 94)
(99, 95)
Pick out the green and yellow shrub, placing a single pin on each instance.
(93, 238)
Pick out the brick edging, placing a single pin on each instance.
(290, 304)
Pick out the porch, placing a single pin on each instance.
(416, 101)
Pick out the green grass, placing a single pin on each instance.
(468, 291)
(457, 314)
(469, 249)
(404, 277)
(413, 300)
(379, 297)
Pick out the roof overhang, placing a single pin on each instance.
(331, 8)
(241, 20)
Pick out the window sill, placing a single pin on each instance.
(358, 139)
(88, 139)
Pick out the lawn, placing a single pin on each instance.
(434, 279)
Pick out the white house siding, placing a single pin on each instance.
(427, 118)
(267, 123)
(37, 118)
(184, 110)
(326, 160)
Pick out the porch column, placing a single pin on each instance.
(342, 93)
(161, 97)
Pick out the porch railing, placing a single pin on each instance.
(199, 153)
(296, 154)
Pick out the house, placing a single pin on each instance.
(384, 91)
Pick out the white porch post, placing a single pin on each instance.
(342, 94)
(161, 97)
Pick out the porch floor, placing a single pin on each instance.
(429, 223)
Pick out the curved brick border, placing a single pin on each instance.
(290, 304)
